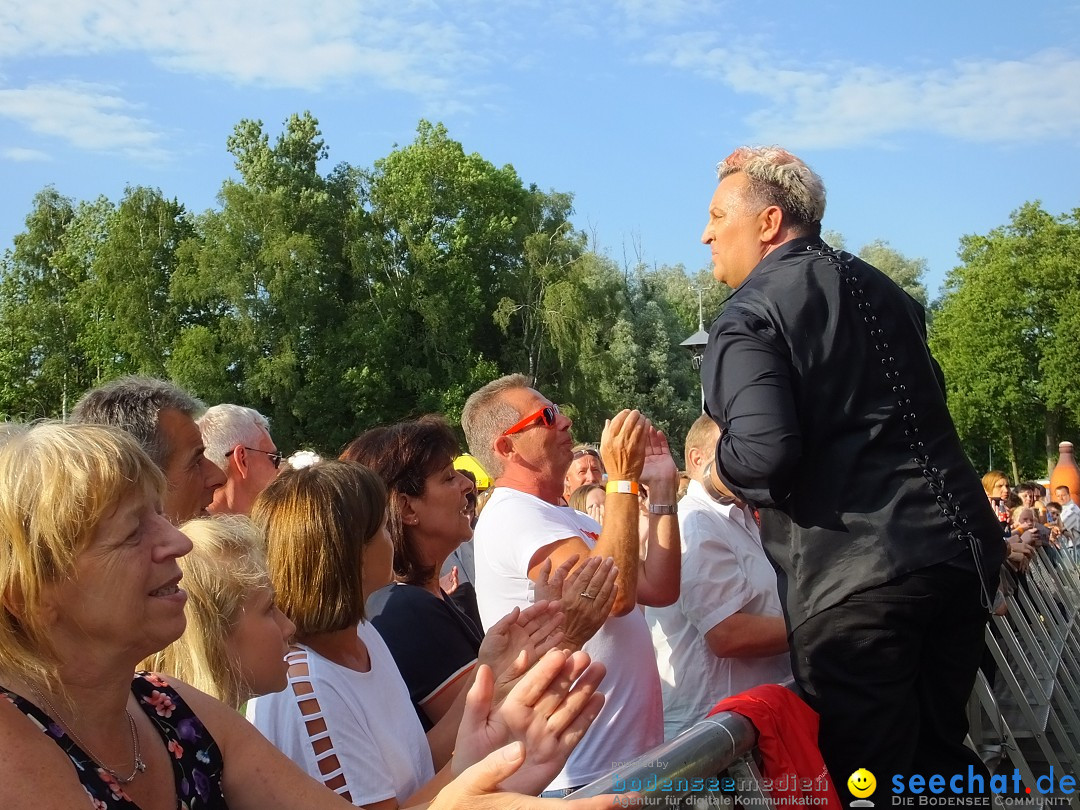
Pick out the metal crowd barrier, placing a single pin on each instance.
(708, 765)
(1029, 714)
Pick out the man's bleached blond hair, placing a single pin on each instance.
(779, 178)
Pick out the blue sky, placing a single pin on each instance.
(927, 120)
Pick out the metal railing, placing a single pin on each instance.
(707, 765)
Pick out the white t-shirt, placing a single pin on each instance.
(371, 723)
(724, 570)
(512, 527)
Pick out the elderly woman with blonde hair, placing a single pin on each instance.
(90, 586)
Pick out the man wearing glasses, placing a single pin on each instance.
(238, 440)
(523, 440)
(161, 417)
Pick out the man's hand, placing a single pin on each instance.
(659, 472)
(549, 710)
(622, 445)
(586, 595)
(1020, 554)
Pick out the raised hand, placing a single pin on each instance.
(478, 788)
(549, 586)
(517, 641)
(622, 445)
(549, 710)
(659, 472)
(449, 581)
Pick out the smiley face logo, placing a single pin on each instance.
(862, 783)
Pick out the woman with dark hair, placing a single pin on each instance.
(434, 642)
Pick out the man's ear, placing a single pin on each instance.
(503, 446)
(771, 221)
(694, 459)
(238, 459)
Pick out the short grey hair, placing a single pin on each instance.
(779, 178)
(133, 404)
(486, 416)
(225, 426)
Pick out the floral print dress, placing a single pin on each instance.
(196, 759)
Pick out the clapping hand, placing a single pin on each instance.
(622, 445)
(659, 472)
(518, 640)
(549, 710)
(478, 788)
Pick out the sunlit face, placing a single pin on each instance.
(1027, 497)
(583, 470)
(443, 515)
(259, 642)
(192, 477)
(378, 561)
(261, 469)
(545, 448)
(733, 232)
(1000, 489)
(124, 592)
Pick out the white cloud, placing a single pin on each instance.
(19, 154)
(88, 116)
(837, 105)
(306, 44)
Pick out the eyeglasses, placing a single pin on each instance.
(275, 457)
(546, 416)
(585, 451)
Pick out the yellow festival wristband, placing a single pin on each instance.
(622, 487)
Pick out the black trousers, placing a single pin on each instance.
(889, 670)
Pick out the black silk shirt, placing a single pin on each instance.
(836, 429)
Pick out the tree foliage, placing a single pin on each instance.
(1006, 336)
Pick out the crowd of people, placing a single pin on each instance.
(397, 635)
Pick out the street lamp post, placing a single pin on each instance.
(696, 344)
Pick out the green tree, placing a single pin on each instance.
(263, 289)
(1005, 338)
(41, 316)
(132, 322)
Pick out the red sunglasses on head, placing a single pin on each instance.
(546, 416)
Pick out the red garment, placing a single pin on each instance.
(787, 739)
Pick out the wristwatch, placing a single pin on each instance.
(663, 508)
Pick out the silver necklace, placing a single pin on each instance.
(140, 766)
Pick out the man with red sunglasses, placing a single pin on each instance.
(525, 529)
